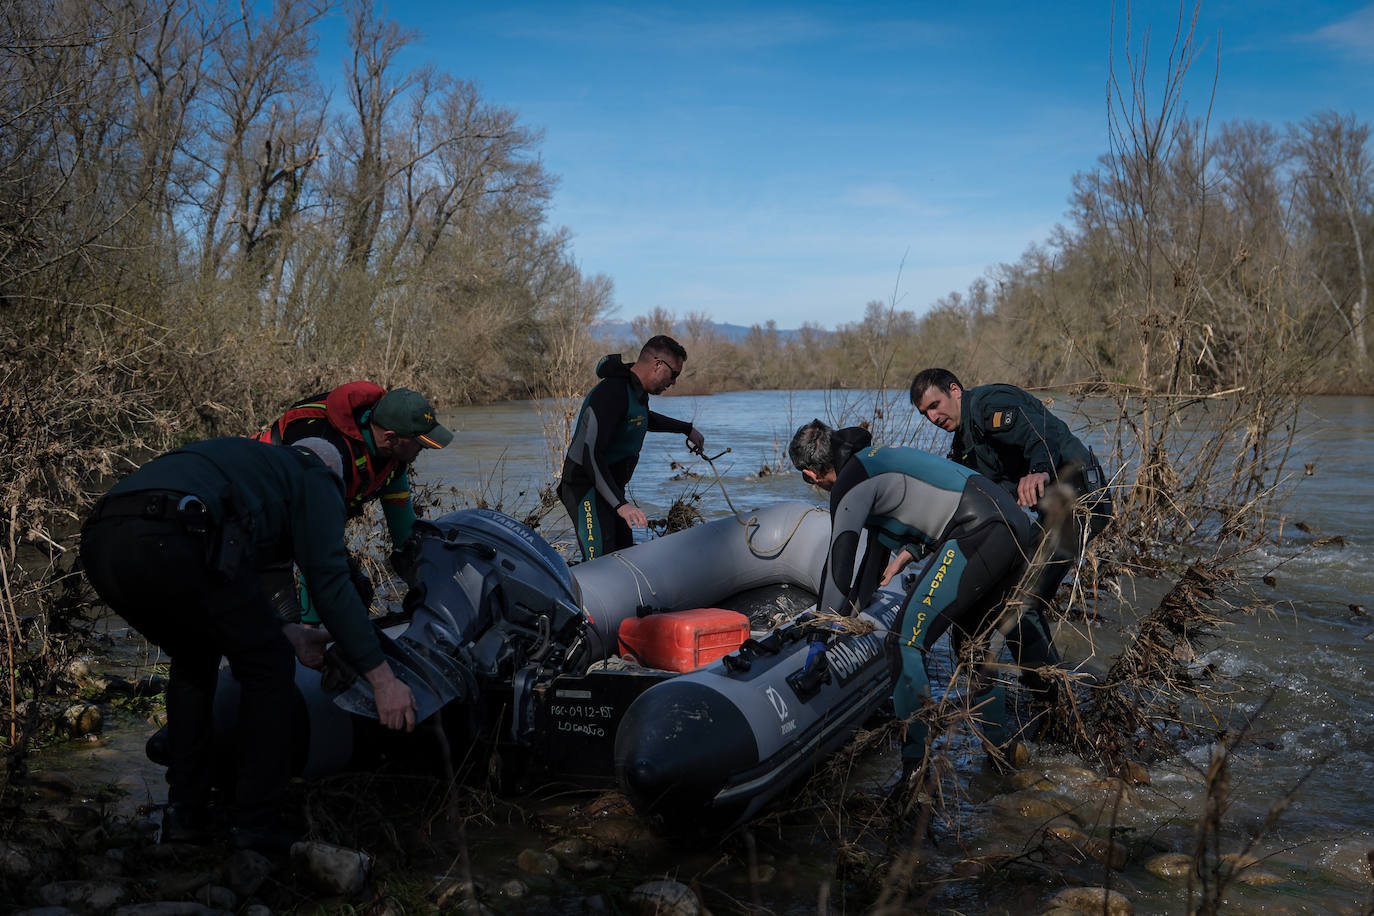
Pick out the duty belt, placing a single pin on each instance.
(160, 505)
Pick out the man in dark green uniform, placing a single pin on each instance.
(607, 440)
(1008, 435)
(175, 549)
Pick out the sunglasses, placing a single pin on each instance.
(675, 372)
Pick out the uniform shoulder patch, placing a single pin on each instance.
(1003, 419)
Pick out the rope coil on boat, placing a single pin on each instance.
(752, 521)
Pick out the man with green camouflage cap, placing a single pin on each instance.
(378, 434)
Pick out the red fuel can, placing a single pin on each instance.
(683, 640)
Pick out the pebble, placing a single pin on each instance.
(1169, 865)
(665, 898)
(1092, 900)
(84, 896)
(534, 862)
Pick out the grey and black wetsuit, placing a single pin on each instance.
(977, 540)
(602, 456)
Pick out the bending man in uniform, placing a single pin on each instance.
(378, 435)
(1006, 434)
(913, 504)
(607, 440)
(175, 549)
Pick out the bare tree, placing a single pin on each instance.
(1335, 180)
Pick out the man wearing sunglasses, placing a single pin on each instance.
(607, 440)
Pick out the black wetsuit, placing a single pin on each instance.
(977, 539)
(602, 456)
(175, 549)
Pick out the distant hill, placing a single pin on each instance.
(732, 332)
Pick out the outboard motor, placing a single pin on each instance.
(490, 602)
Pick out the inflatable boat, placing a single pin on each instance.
(688, 670)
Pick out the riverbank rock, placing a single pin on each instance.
(534, 862)
(81, 719)
(84, 896)
(1091, 900)
(332, 869)
(1035, 804)
(245, 871)
(1169, 865)
(1108, 852)
(665, 898)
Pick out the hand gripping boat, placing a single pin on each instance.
(512, 648)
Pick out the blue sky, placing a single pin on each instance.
(787, 161)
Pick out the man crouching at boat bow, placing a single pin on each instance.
(914, 503)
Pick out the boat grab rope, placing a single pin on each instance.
(641, 580)
(751, 524)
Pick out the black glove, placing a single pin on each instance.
(279, 582)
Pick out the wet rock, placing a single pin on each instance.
(1035, 804)
(118, 686)
(15, 862)
(1072, 774)
(55, 785)
(1133, 772)
(620, 832)
(81, 719)
(82, 817)
(1258, 877)
(1169, 865)
(84, 896)
(1114, 791)
(1032, 779)
(245, 871)
(45, 911)
(664, 898)
(534, 862)
(181, 884)
(513, 889)
(93, 867)
(151, 684)
(1246, 870)
(217, 897)
(569, 850)
(78, 671)
(256, 909)
(1093, 900)
(332, 869)
(587, 867)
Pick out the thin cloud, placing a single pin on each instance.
(1353, 34)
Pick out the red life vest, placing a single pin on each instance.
(336, 416)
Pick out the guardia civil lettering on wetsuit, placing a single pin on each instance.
(904, 496)
(603, 455)
(977, 538)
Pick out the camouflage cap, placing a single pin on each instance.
(408, 413)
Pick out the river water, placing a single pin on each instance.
(1302, 668)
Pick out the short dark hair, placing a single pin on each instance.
(662, 345)
(811, 449)
(932, 378)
